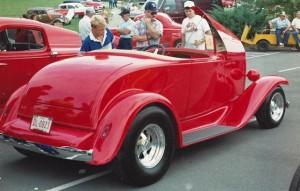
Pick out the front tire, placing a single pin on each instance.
(148, 148)
(295, 184)
(272, 110)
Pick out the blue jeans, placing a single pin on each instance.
(286, 36)
(296, 37)
(125, 43)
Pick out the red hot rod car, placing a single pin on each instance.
(26, 46)
(134, 108)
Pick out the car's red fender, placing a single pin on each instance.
(9, 110)
(250, 101)
(117, 118)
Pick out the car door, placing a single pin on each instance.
(210, 86)
(25, 52)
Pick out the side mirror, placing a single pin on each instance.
(253, 75)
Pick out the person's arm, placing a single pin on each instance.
(136, 35)
(271, 22)
(153, 32)
(123, 31)
(183, 40)
(288, 27)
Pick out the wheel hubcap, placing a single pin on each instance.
(277, 107)
(150, 146)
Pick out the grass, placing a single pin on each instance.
(15, 8)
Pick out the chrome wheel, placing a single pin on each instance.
(150, 146)
(277, 107)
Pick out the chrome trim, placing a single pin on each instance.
(65, 152)
(206, 133)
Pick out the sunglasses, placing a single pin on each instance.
(153, 13)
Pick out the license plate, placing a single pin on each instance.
(41, 123)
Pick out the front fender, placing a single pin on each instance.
(115, 123)
(245, 107)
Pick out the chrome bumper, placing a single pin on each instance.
(58, 152)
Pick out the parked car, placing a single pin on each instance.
(46, 15)
(97, 5)
(265, 40)
(26, 46)
(79, 9)
(174, 8)
(72, 1)
(133, 108)
(171, 34)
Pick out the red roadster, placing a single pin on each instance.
(135, 108)
(26, 46)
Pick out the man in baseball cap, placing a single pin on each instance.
(148, 30)
(194, 28)
(189, 4)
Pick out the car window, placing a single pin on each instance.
(71, 7)
(63, 7)
(19, 39)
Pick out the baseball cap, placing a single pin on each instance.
(151, 6)
(124, 11)
(189, 4)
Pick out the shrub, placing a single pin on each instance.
(236, 18)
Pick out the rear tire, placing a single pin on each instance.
(148, 148)
(263, 46)
(272, 110)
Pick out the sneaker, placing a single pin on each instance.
(281, 44)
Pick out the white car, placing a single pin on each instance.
(79, 9)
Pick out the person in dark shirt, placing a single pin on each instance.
(100, 37)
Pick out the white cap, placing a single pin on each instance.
(189, 4)
(282, 13)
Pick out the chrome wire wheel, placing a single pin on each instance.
(150, 146)
(277, 107)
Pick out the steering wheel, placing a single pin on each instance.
(156, 46)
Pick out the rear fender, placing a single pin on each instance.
(245, 107)
(10, 108)
(115, 123)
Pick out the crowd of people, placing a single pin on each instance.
(146, 31)
(284, 27)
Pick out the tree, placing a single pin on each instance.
(236, 18)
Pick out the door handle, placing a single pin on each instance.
(54, 53)
(3, 64)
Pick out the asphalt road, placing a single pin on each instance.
(251, 159)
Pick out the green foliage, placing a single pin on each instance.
(276, 6)
(236, 18)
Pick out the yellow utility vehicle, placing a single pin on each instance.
(264, 40)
